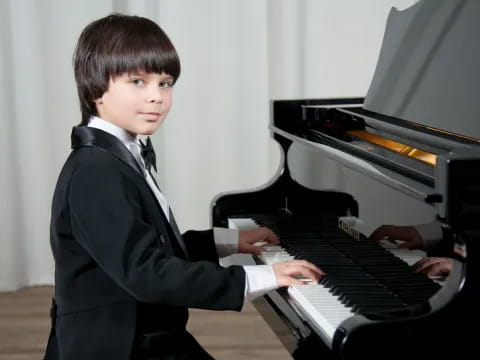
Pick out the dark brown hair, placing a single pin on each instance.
(118, 44)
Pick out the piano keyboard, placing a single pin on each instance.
(353, 283)
(315, 300)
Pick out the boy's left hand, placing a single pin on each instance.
(247, 239)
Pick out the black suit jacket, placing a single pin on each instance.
(119, 270)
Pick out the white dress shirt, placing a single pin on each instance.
(260, 279)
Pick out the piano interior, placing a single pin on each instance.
(349, 165)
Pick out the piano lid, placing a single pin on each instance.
(428, 68)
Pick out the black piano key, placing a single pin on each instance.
(362, 273)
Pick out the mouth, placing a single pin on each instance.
(151, 116)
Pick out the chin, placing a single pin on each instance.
(148, 130)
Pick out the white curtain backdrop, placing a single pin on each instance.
(236, 56)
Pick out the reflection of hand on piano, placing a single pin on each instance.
(409, 236)
(434, 267)
(247, 240)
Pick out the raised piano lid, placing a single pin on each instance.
(428, 68)
(424, 93)
(394, 170)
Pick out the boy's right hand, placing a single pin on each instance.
(290, 272)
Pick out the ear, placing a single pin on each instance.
(98, 105)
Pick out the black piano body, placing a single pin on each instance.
(438, 165)
(438, 324)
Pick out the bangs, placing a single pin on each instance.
(127, 44)
(138, 54)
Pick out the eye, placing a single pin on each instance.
(166, 84)
(137, 81)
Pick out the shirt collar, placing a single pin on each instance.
(118, 132)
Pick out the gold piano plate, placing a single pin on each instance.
(395, 146)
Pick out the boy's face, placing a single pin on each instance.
(137, 102)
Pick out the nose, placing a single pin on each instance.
(155, 95)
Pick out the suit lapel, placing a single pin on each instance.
(87, 136)
(84, 136)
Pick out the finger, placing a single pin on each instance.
(391, 240)
(260, 243)
(432, 270)
(424, 263)
(291, 281)
(439, 269)
(423, 268)
(388, 232)
(303, 279)
(270, 237)
(288, 271)
(253, 249)
(305, 264)
(405, 245)
(310, 271)
(419, 264)
(304, 273)
(379, 233)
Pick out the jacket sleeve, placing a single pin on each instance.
(108, 219)
(201, 245)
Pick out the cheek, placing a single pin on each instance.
(168, 107)
(128, 104)
(167, 103)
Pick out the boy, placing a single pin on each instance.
(124, 276)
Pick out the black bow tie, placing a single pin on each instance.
(148, 155)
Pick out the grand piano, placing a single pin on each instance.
(417, 133)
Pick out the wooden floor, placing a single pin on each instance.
(24, 326)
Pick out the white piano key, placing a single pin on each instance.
(324, 310)
(242, 223)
